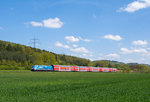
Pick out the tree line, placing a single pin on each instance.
(16, 56)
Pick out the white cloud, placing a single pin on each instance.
(52, 23)
(113, 56)
(140, 42)
(49, 23)
(36, 24)
(58, 44)
(136, 5)
(148, 54)
(66, 46)
(84, 54)
(113, 37)
(139, 60)
(76, 39)
(80, 49)
(71, 39)
(77, 49)
(142, 59)
(127, 51)
(139, 50)
(86, 40)
(1, 28)
(74, 45)
(90, 55)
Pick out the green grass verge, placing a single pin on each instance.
(26, 86)
(9, 67)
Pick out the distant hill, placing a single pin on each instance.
(111, 62)
(17, 56)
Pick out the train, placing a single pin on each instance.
(67, 68)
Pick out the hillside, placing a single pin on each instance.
(17, 56)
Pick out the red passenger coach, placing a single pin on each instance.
(95, 69)
(82, 68)
(56, 67)
(89, 69)
(114, 70)
(66, 68)
(110, 70)
(105, 69)
(74, 68)
(100, 69)
(63, 68)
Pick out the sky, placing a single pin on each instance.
(94, 29)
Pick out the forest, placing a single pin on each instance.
(21, 57)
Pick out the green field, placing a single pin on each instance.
(26, 86)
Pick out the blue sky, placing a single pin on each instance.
(93, 29)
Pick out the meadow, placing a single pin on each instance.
(27, 86)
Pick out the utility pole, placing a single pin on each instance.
(34, 41)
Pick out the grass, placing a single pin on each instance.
(26, 86)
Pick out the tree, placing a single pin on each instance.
(37, 59)
(126, 68)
